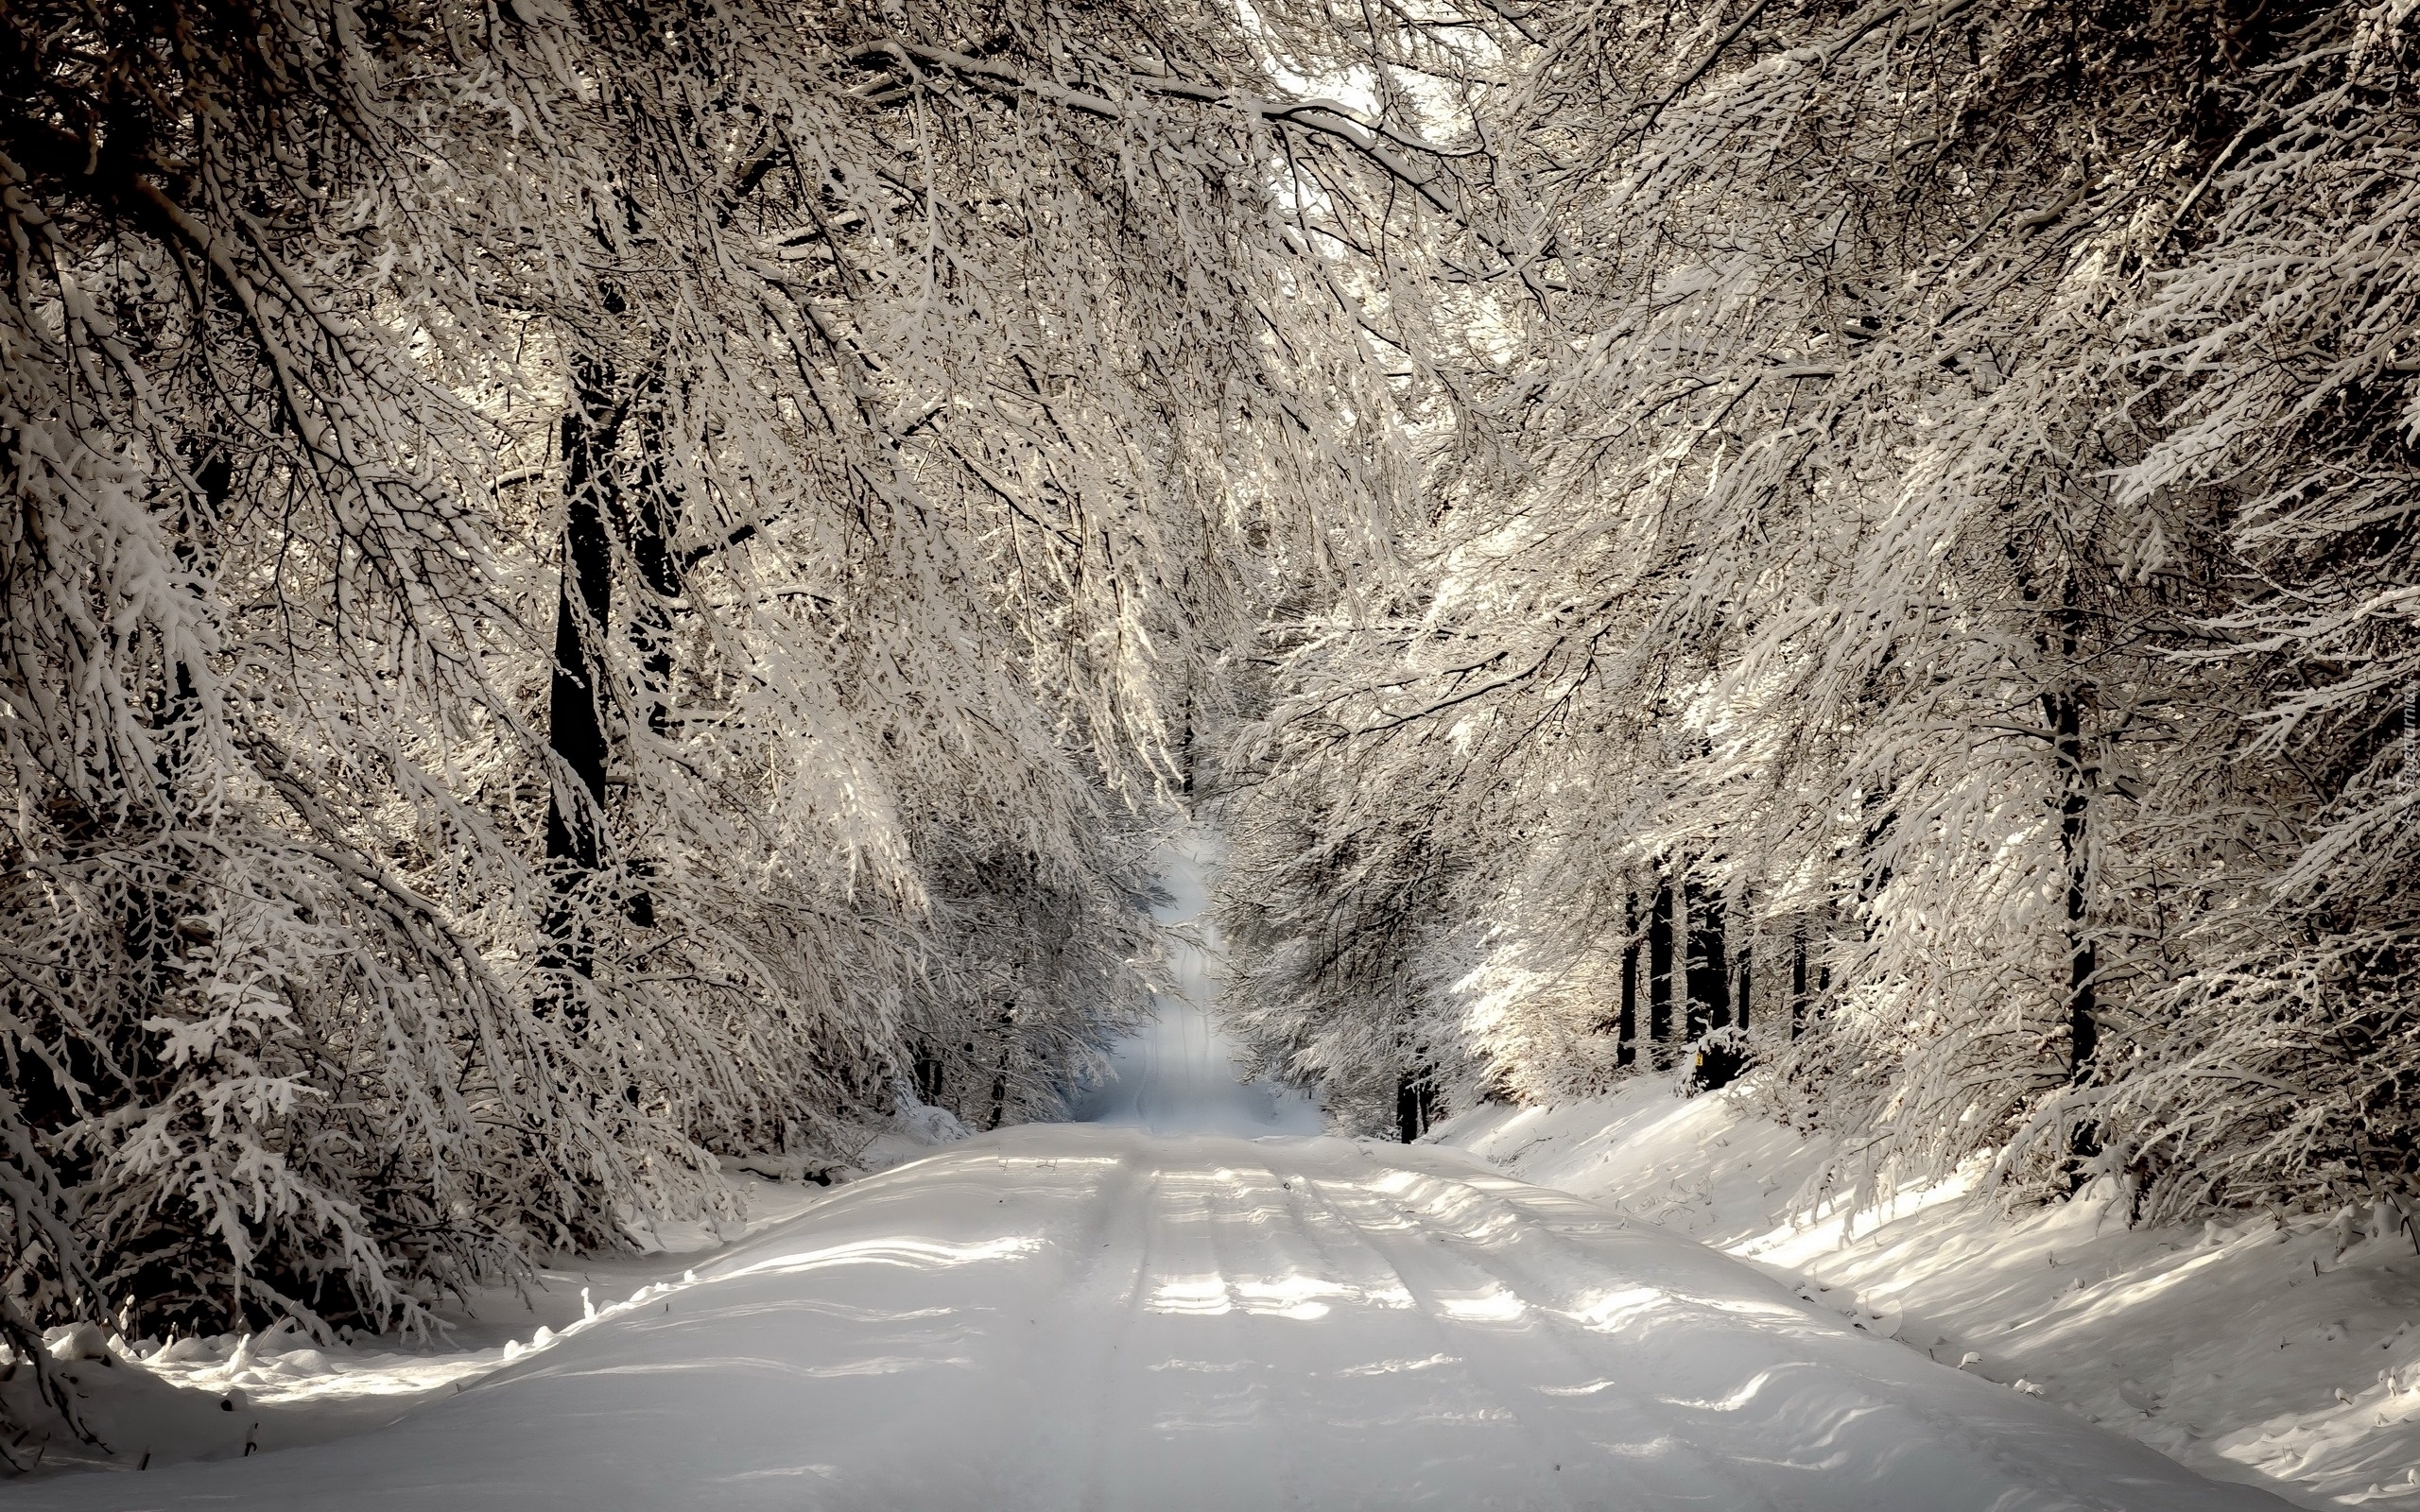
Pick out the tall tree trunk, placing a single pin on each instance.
(1708, 975)
(649, 531)
(575, 709)
(1875, 875)
(596, 517)
(1798, 979)
(1626, 1045)
(2065, 710)
(1188, 740)
(1415, 1102)
(2075, 812)
(1000, 1079)
(153, 943)
(1659, 975)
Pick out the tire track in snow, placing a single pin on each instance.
(1235, 1217)
(1187, 1388)
(1666, 1467)
(1094, 1495)
(1894, 1418)
(1350, 1246)
(1064, 1352)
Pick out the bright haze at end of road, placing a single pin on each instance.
(1179, 1075)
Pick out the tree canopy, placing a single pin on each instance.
(593, 587)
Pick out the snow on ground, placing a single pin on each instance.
(2282, 1355)
(1193, 1302)
(1090, 1316)
(230, 1396)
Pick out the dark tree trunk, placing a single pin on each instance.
(1708, 973)
(1416, 1103)
(596, 516)
(1626, 1045)
(1659, 975)
(930, 1074)
(1798, 980)
(151, 910)
(2065, 709)
(2075, 812)
(1188, 742)
(583, 607)
(1000, 1080)
(649, 531)
(1876, 874)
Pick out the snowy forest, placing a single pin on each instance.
(591, 587)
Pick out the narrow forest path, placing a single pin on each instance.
(1094, 1318)
(1189, 1303)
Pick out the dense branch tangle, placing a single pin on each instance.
(588, 585)
(1868, 527)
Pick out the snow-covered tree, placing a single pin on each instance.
(592, 585)
(1941, 497)
(2274, 354)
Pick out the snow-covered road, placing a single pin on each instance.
(1093, 1317)
(1196, 1302)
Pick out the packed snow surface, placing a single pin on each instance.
(2284, 1353)
(1192, 1301)
(1090, 1316)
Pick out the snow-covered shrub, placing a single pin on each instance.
(1716, 1060)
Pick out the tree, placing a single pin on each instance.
(1908, 506)
(591, 581)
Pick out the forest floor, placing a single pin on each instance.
(2280, 1354)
